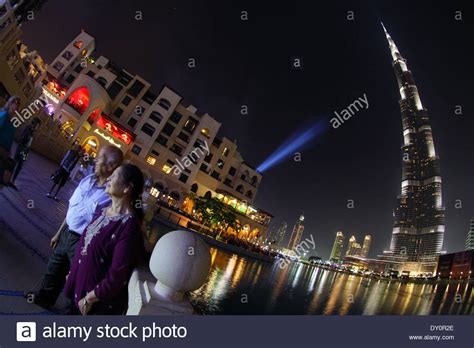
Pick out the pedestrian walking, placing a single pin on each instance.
(61, 175)
(7, 135)
(23, 148)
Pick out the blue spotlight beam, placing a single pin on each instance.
(292, 144)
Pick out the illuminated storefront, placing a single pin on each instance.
(99, 129)
(244, 208)
(54, 94)
(252, 222)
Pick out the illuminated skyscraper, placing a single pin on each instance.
(470, 236)
(351, 246)
(296, 234)
(366, 246)
(419, 218)
(338, 246)
(280, 233)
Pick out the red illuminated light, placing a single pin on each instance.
(113, 129)
(79, 99)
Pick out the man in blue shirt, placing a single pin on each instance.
(7, 135)
(86, 199)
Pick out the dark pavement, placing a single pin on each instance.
(28, 220)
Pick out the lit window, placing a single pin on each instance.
(151, 160)
(166, 168)
(205, 132)
(225, 152)
(154, 192)
(78, 44)
(79, 99)
(190, 124)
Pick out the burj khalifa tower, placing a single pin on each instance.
(419, 216)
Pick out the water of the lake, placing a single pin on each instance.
(239, 285)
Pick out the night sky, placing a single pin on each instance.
(250, 62)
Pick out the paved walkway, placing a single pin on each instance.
(28, 220)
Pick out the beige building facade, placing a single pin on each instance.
(179, 150)
(17, 78)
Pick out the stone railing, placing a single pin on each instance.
(180, 262)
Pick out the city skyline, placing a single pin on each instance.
(310, 128)
(326, 208)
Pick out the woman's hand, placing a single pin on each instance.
(84, 306)
(86, 303)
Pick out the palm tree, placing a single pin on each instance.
(214, 213)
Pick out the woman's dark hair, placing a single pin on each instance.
(133, 176)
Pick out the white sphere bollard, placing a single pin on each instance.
(180, 262)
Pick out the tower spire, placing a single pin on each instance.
(393, 48)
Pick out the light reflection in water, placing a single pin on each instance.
(303, 289)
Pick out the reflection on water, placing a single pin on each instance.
(237, 285)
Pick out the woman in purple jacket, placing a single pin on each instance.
(109, 249)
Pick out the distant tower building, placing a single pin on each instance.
(280, 233)
(470, 236)
(366, 246)
(336, 253)
(297, 233)
(350, 246)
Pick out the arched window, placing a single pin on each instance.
(255, 233)
(240, 189)
(249, 194)
(79, 99)
(208, 195)
(254, 180)
(245, 175)
(159, 186)
(194, 188)
(164, 103)
(102, 81)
